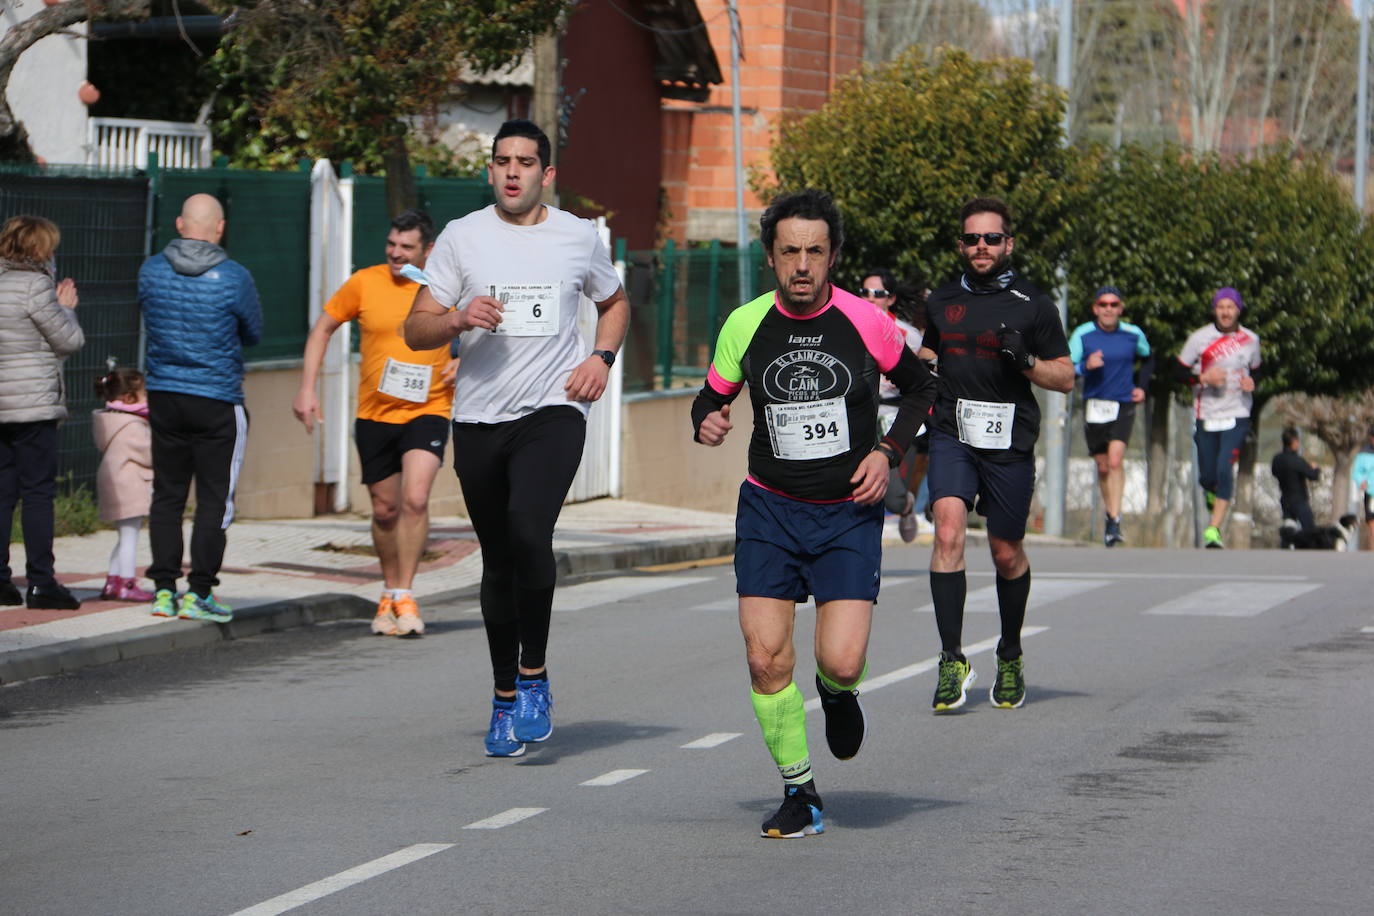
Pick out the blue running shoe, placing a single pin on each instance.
(501, 737)
(194, 607)
(532, 706)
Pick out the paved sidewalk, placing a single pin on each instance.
(291, 572)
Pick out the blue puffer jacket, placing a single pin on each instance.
(199, 310)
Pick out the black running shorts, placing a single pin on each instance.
(1118, 430)
(381, 445)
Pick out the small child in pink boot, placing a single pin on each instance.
(124, 482)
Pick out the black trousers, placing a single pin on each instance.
(28, 471)
(200, 439)
(515, 477)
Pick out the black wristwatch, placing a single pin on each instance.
(607, 356)
(893, 459)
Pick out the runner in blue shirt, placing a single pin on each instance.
(1104, 353)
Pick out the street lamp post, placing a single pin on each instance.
(1362, 107)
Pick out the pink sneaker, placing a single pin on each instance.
(117, 589)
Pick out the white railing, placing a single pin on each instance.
(126, 143)
(599, 472)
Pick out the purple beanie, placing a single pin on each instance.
(1227, 292)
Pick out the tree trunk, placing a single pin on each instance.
(1340, 482)
(1243, 504)
(14, 139)
(400, 180)
(1157, 471)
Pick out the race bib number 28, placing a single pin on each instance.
(984, 424)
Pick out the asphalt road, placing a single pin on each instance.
(1196, 739)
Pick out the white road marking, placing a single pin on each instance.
(355, 875)
(984, 600)
(505, 818)
(1367, 629)
(1232, 599)
(1209, 576)
(618, 588)
(614, 777)
(716, 739)
(930, 664)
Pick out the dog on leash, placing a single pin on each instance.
(1321, 537)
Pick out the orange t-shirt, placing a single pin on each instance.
(380, 303)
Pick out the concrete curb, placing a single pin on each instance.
(155, 639)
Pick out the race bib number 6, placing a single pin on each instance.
(808, 430)
(531, 309)
(984, 424)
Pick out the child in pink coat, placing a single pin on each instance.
(124, 482)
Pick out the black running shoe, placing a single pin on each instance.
(799, 816)
(845, 725)
(1010, 690)
(951, 690)
(1111, 532)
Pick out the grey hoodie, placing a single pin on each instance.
(193, 257)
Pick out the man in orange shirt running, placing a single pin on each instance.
(404, 400)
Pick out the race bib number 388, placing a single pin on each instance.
(407, 381)
(985, 424)
(808, 430)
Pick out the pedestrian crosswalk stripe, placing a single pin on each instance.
(984, 600)
(715, 739)
(505, 818)
(614, 777)
(618, 588)
(1233, 599)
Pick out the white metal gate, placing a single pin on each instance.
(599, 473)
(331, 253)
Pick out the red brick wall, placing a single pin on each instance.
(794, 52)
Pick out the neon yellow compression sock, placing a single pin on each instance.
(782, 716)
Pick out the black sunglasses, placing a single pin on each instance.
(993, 238)
(874, 293)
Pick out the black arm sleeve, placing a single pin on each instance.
(708, 400)
(917, 386)
(1145, 372)
(1183, 373)
(1310, 471)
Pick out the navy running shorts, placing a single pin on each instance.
(1001, 490)
(381, 445)
(789, 549)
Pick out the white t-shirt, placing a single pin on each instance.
(1237, 352)
(540, 272)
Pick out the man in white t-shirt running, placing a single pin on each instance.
(1221, 360)
(506, 281)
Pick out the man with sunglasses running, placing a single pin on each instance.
(995, 335)
(1104, 352)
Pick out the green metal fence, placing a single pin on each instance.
(102, 217)
(443, 199)
(267, 230)
(680, 299)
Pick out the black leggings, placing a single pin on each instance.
(515, 476)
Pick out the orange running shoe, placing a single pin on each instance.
(408, 622)
(384, 624)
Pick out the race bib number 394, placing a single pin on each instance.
(984, 424)
(531, 309)
(808, 430)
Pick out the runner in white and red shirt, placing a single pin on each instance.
(1221, 360)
